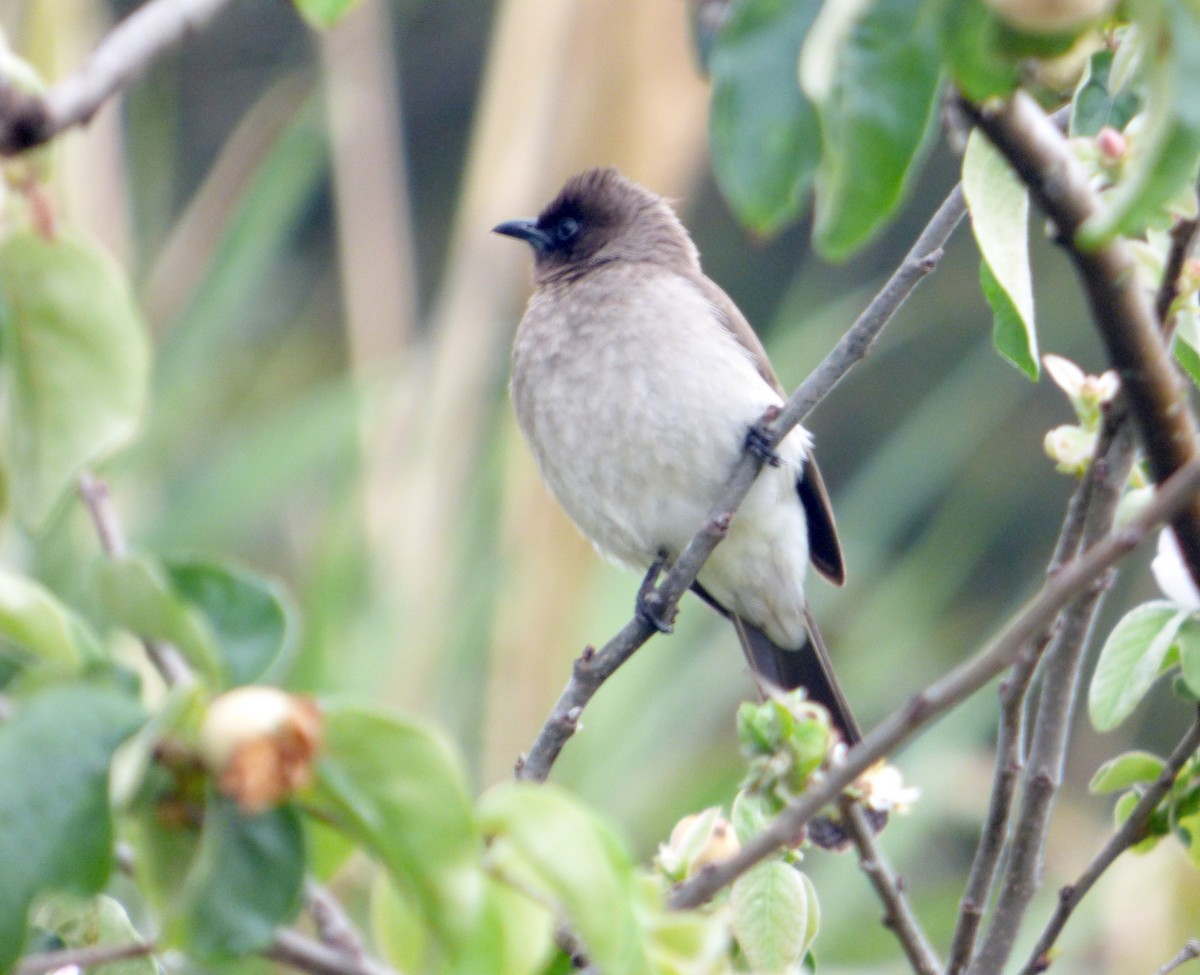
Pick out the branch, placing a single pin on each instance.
(119, 60)
(1130, 832)
(1058, 590)
(1123, 314)
(334, 927)
(294, 949)
(167, 660)
(898, 914)
(595, 667)
(1187, 953)
(41, 962)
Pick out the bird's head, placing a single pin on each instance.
(600, 216)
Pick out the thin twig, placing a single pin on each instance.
(167, 660)
(292, 948)
(898, 914)
(1130, 832)
(1058, 590)
(120, 59)
(41, 962)
(1186, 953)
(594, 667)
(333, 925)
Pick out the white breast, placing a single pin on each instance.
(636, 402)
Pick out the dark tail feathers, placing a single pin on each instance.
(808, 667)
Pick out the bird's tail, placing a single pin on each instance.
(808, 667)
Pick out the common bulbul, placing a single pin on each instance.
(636, 382)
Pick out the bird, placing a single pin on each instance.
(638, 384)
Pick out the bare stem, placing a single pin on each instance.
(167, 660)
(1130, 832)
(1073, 579)
(1186, 953)
(119, 60)
(594, 667)
(898, 913)
(294, 949)
(48, 961)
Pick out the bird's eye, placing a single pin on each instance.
(567, 229)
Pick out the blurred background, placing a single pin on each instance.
(306, 220)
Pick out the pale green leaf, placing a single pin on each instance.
(557, 846)
(74, 358)
(1130, 661)
(137, 594)
(770, 916)
(1095, 104)
(325, 13)
(96, 922)
(1131, 768)
(33, 618)
(1187, 641)
(397, 788)
(999, 206)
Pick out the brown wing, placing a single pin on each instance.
(824, 549)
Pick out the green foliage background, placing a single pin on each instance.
(306, 221)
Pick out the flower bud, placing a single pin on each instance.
(260, 742)
(1071, 448)
(1111, 144)
(696, 841)
(882, 789)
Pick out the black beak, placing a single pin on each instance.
(526, 230)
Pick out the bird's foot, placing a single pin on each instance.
(759, 440)
(650, 609)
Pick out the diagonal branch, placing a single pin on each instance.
(1130, 832)
(898, 913)
(119, 60)
(594, 667)
(1073, 579)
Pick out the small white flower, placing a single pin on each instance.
(883, 789)
(1171, 572)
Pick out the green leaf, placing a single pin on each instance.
(55, 826)
(252, 617)
(95, 922)
(33, 618)
(1095, 105)
(1166, 151)
(1130, 661)
(1012, 333)
(1124, 771)
(763, 132)
(246, 880)
(397, 927)
(878, 106)
(1187, 641)
(999, 206)
(771, 914)
(324, 13)
(555, 845)
(397, 789)
(971, 36)
(75, 361)
(1121, 812)
(137, 594)
(1188, 358)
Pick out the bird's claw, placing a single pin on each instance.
(760, 443)
(650, 609)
